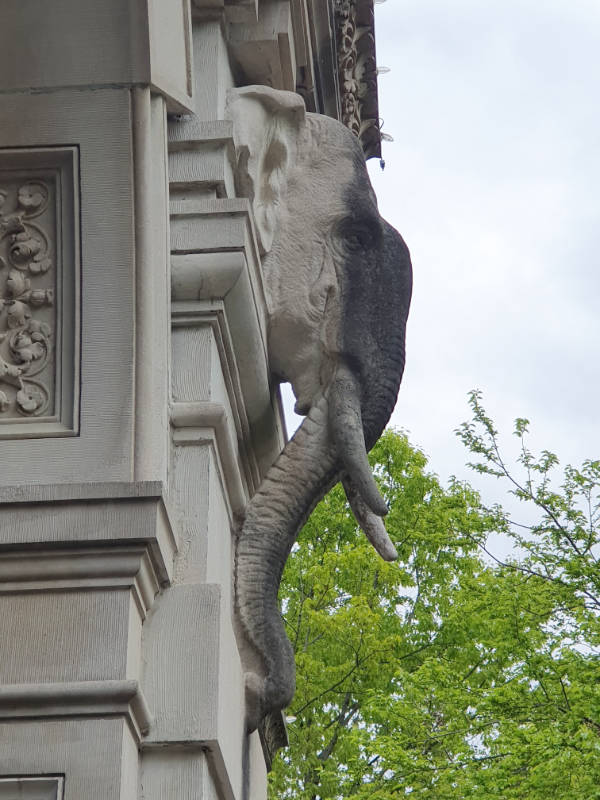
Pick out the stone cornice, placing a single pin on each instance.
(65, 569)
(77, 699)
(191, 422)
(357, 66)
(323, 49)
(88, 513)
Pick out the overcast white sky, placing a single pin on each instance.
(493, 179)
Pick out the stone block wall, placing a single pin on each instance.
(137, 411)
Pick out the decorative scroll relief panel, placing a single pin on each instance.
(31, 788)
(39, 293)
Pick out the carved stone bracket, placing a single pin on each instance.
(357, 66)
(235, 10)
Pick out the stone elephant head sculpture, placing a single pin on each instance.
(338, 285)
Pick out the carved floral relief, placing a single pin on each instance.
(27, 290)
(358, 72)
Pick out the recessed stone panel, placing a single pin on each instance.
(42, 788)
(38, 292)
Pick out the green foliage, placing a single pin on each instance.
(445, 674)
(563, 546)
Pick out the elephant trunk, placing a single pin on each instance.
(304, 472)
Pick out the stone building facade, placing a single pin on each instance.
(137, 409)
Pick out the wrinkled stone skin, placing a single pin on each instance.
(338, 282)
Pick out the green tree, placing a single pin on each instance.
(444, 674)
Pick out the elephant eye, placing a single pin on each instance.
(354, 242)
(357, 236)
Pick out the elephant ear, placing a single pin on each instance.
(266, 126)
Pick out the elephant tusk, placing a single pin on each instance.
(347, 429)
(371, 524)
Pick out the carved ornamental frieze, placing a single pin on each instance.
(27, 291)
(38, 292)
(357, 68)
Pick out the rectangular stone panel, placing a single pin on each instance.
(177, 772)
(99, 124)
(31, 788)
(66, 636)
(193, 680)
(97, 756)
(39, 292)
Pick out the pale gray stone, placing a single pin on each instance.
(120, 669)
(338, 286)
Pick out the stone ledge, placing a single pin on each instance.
(223, 288)
(192, 421)
(109, 567)
(194, 684)
(78, 699)
(112, 43)
(247, 399)
(204, 276)
(203, 168)
(263, 52)
(96, 514)
(235, 10)
(61, 492)
(218, 131)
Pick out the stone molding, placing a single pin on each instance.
(214, 225)
(188, 133)
(75, 492)
(77, 514)
(201, 163)
(206, 422)
(194, 683)
(77, 540)
(77, 699)
(110, 567)
(205, 276)
(299, 46)
(212, 314)
(263, 51)
(234, 10)
(124, 43)
(216, 279)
